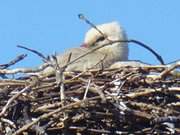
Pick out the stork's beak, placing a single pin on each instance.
(84, 45)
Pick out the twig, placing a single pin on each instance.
(87, 88)
(13, 98)
(23, 70)
(148, 91)
(97, 131)
(172, 67)
(146, 106)
(14, 61)
(62, 78)
(173, 119)
(11, 123)
(48, 106)
(120, 87)
(82, 17)
(45, 116)
(34, 51)
(149, 49)
(16, 96)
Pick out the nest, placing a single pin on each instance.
(128, 100)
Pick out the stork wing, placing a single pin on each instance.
(89, 61)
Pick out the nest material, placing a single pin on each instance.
(131, 100)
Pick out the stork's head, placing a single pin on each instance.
(111, 31)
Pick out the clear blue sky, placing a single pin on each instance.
(50, 26)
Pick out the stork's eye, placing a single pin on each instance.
(100, 39)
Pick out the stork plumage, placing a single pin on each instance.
(106, 55)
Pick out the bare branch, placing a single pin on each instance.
(14, 61)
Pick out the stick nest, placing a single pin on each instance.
(130, 100)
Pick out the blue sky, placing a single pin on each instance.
(50, 26)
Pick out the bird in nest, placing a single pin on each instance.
(105, 56)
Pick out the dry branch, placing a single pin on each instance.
(127, 100)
